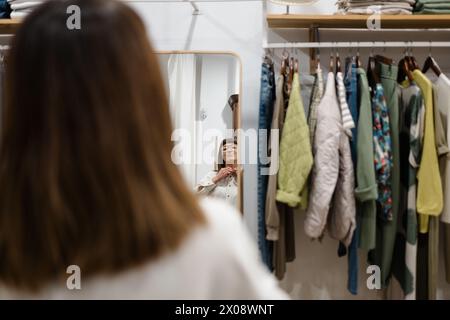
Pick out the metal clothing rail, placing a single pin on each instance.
(356, 44)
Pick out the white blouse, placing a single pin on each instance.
(226, 189)
(218, 260)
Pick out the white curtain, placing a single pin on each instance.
(182, 85)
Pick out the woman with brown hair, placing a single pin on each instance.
(222, 182)
(86, 176)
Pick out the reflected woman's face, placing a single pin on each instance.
(229, 153)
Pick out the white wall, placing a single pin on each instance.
(240, 26)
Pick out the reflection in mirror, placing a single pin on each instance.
(204, 91)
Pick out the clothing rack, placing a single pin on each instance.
(356, 44)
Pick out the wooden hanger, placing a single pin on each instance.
(371, 72)
(383, 59)
(331, 66)
(283, 67)
(414, 62)
(430, 63)
(291, 69)
(338, 62)
(413, 65)
(403, 71)
(403, 68)
(267, 59)
(284, 62)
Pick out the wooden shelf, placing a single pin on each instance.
(358, 21)
(9, 26)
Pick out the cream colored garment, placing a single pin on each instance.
(332, 200)
(226, 189)
(216, 261)
(441, 92)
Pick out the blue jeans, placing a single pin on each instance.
(351, 86)
(267, 100)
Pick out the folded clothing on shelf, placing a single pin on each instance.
(432, 7)
(375, 6)
(21, 8)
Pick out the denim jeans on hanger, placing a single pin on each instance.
(351, 86)
(267, 100)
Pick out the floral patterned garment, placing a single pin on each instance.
(382, 152)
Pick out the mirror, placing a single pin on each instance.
(204, 95)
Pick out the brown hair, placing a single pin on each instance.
(86, 175)
(220, 160)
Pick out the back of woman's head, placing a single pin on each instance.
(86, 176)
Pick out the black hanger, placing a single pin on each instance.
(411, 65)
(283, 66)
(431, 63)
(414, 62)
(371, 72)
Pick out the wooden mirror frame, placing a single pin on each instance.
(236, 117)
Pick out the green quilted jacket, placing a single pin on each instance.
(296, 158)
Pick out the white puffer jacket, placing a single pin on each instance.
(332, 200)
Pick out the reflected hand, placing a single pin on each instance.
(223, 173)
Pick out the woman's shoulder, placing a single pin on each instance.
(219, 254)
(220, 214)
(224, 224)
